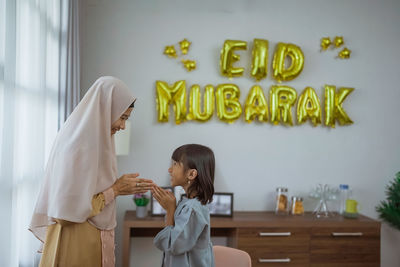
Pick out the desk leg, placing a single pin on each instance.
(126, 246)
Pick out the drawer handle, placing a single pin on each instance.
(273, 260)
(275, 234)
(347, 234)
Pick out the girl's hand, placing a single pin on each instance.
(166, 198)
(129, 184)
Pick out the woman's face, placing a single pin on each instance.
(120, 123)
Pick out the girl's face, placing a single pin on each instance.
(180, 177)
(177, 172)
(120, 123)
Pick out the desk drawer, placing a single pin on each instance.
(345, 232)
(274, 240)
(351, 246)
(263, 259)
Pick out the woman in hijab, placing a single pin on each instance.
(75, 212)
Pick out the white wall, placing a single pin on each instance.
(127, 38)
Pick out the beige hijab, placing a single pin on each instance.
(82, 161)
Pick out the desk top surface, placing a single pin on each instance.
(257, 219)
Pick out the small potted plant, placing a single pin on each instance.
(141, 201)
(389, 210)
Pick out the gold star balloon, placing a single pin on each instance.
(170, 51)
(185, 44)
(325, 43)
(345, 53)
(189, 64)
(338, 41)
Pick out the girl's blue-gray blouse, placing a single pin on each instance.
(187, 243)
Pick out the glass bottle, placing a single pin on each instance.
(281, 200)
(344, 195)
(297, 207)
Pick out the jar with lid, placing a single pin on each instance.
(281, 200)
(297, 207)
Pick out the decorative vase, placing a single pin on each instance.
(141, 211)
(323, 193)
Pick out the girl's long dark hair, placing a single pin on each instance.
(201, 158)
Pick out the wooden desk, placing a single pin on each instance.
(272, 240)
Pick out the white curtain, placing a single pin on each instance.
(69, 89)
(37, 74)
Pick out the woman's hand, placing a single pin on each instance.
(129, 184)
(166, 198)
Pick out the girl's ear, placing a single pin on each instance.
(192, 174)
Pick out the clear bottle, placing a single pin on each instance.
(344, 195)
(282, 200)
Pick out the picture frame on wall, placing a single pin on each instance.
(155, 208)
(222, 205)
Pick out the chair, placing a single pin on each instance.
(231, 257)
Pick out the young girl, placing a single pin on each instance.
(185, 240)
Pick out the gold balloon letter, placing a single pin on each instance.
(282, 51)
(309, 107)
(333, 105)
(256, 105)
(260, 59)
(195, 100)
(228, 57)
(166, 95)
(282, 99)
(228, 106)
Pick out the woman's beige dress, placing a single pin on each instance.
(74, 244)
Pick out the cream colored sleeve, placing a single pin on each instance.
(99, 201)
(98, 204)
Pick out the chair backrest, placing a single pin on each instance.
(231, 257)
